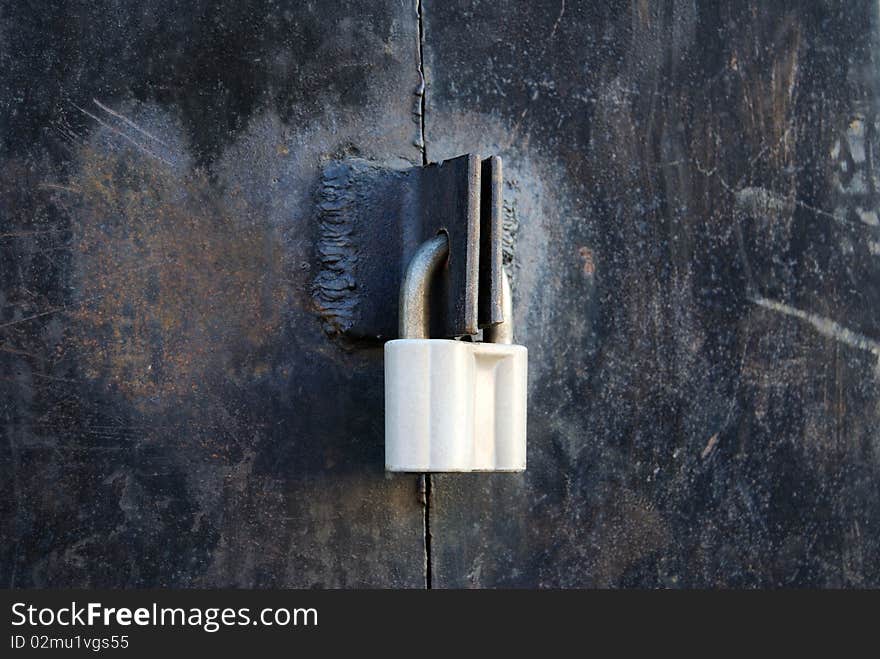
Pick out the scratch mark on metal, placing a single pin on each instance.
(757, 199)
(128, 122)
(761, 200)
(36, 232)
(34, 317)
(558, 21)
(57, 186)
(825, 326)
(127, 138)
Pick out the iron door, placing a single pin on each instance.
(691, 230)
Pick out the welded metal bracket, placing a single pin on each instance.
(373, 219)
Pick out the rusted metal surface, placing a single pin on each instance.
(696, 275)
(172, 412)
(690, 223)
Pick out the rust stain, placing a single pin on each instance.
(710, 446)
(181, 283)
(589, 263)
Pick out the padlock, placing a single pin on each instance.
(452, 405)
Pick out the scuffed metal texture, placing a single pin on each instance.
(697, 277)
(172, 412)
(691, 228)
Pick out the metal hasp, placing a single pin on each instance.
(373, 221)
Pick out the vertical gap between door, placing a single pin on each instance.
(423, 83)
(428, 566)
(422, 106)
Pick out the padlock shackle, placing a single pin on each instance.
(414, 319)
(503, 331)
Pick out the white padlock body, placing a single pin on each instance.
(455, 406)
